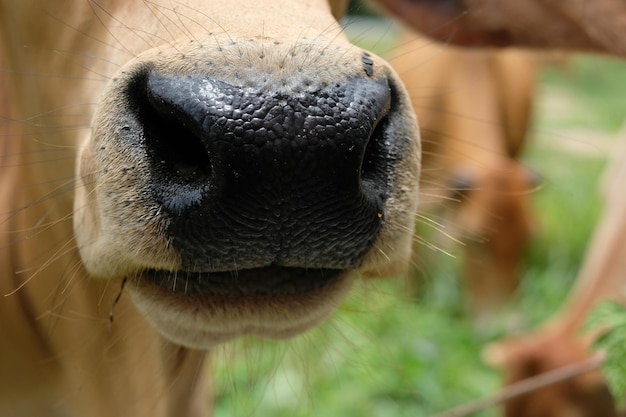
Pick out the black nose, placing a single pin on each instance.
(252, 178)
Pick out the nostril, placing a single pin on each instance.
(179, 152)
(374, 166)
(179, 159)
(371, 157)
(174, 139)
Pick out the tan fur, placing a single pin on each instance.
(63, 61)
(474, 109)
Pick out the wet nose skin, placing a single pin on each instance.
(253, 178)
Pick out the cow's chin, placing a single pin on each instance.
(202, 310)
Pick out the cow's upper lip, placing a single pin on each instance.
(263, 282)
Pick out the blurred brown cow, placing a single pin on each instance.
(474, 109)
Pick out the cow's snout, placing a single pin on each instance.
(239, 188)
(251, 178)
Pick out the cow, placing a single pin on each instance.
(178, 174)
(474, 109)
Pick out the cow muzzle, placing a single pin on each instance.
(216, 192)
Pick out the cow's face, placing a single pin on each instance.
(239, 173)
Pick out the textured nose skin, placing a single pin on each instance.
(276, 179)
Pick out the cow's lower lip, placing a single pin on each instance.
(264, 282)
(201, 310)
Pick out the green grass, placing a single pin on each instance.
(392, 350)
(598, 99)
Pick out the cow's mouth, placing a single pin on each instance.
(202, 309)
(259, 283)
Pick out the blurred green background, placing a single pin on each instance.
(401, 347)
